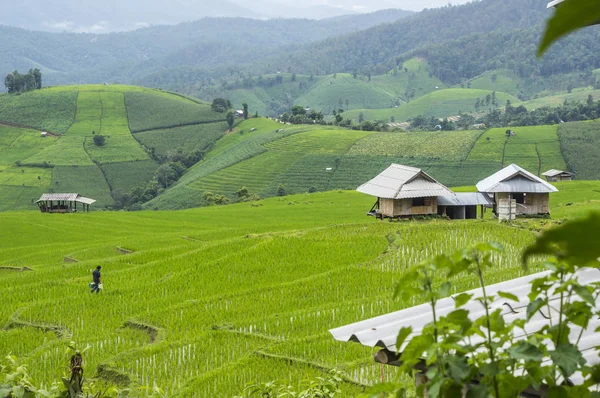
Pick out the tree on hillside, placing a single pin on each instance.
(19, 83)
(230, 120)
(245, 107)
(221, 105)
(99, 140)
(361, 117)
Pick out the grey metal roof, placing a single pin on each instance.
(515, 179)
(403, 182)
(382, 331)
(554, 3)
(66, 197)
(465, 199)
(554, 173)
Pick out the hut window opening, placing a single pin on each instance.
(418, 202)
(520, 198)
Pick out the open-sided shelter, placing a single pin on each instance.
(517, 192)
(404, 191)
(382, 331)
(558, 175)
(463, 205)
(63, 203)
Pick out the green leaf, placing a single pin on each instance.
(568, 17)
(534, 307)
(524, 351)
(575, 242)
(459, 317)
(568, 358)
(508, 296)
(585, 294)
(479, 391)
(402, 335)
(458, 368)
(444, 290)
(18, 391)
(462, 299)
(557, 392)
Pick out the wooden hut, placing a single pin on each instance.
(404, 191)
(63, 203)
(517, 192)
(558, 175)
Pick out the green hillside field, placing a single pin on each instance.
(441, 103)
(334, 91)
(203, 302)
(68, 160)
(320, 158)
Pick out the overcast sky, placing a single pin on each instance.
(363, 5)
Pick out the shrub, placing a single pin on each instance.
(99, 140)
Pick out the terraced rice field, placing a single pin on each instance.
(536, 149)
(203, 302)
(73, 115)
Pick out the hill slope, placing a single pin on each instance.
(276, 159)
(68, 160)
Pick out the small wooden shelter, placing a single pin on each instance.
(517, 192)
(404, 191)
(63, 203)
(558, 175)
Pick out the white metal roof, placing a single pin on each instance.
(554, 3)
(66, 197)
(554, 173)
(465, 199)
(403, 182)
(514, 179)
(382, 331)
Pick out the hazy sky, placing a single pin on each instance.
(370, 5)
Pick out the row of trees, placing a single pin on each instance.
(19, 83)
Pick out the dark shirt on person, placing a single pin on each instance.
(96, 275)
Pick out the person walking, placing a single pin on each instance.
(96, 286)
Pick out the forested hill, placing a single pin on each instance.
(381, 45)
(209, 43)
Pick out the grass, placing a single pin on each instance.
(46, 109)
(293, 269)
(117, 149)
(238, 294)
(18, 144)
(125, 176)
(579, 143)
(189, 138)
(577, 95)
(150, 110)
(537, 148)
(441, 103)
(13, 198)
(84, 180)
(25, 177)
(452, 145)
(498, 80)
(66, 151)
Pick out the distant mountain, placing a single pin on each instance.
(125, 15)
(209, 43)
(113, 15)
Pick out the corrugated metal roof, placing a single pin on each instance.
(382, 331)
(59, 196)
(554, 173)
(515, 179)
(66, 197)
(465, 199)
(554, 3)
(403, 182)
